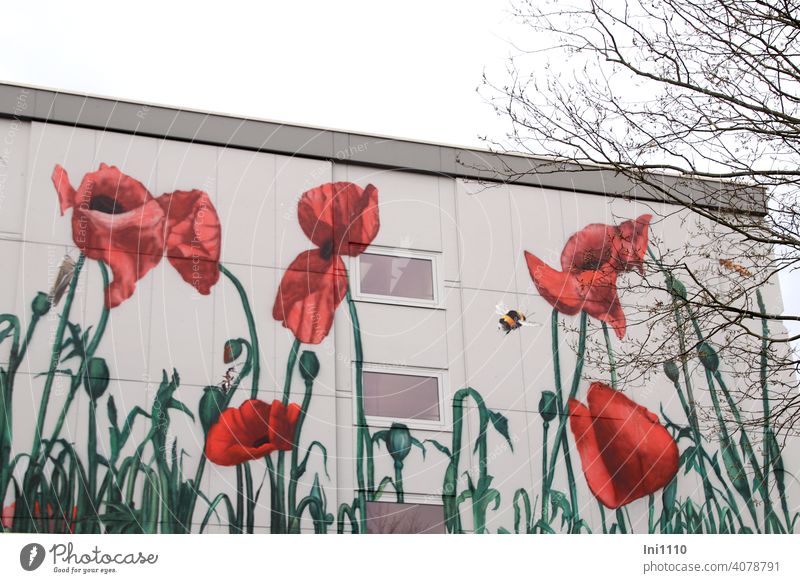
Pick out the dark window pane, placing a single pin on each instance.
(394, 518)
(401, 396)
(405, 277)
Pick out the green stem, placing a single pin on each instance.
(249, 500)
(55, 357)
(398, 481)
(747, 447)
(274, 507)
(239, 500)
(690, 408)
(545, 491)
(280, 480)
(611, 362)
(727, 443)
(89, 351)
(602, 516)
(251, 326)
(6, 401)
(92, 461)
(295, 474)
(363, 438)
(561, 438)
(767, 432)
(621, 521)
(650, 514)
(290, 363)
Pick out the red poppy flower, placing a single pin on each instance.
(193, 237)
(341, 218)
(252, 431)
(116, 220)
(625, 452)
(591, 261)
(53, 526)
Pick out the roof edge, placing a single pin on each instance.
(32, 103)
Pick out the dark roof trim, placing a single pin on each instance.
(44, 105)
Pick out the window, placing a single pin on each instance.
(397, 395)
(405, 277)
(396, 518)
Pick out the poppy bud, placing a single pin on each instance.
(309, 366)
(708, 356)
(398, 442)
(95, 377)
(41, 304)
(232, 351)
(671, 370)
(548, 406)
(211, 406)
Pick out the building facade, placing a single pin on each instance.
(215, 324)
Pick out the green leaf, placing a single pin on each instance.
(439, 446)
(558, 500)
(13, 323)
(500, 423)
(112, 411)
(301, 467)
(385, 482)
(379, 436)
(735, 469)
(175, 404)
(212, 510)
(416, 442)
(669, 495)
(521, 494)
(503, 530)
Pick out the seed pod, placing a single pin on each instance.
(708, 356)
(309, 366)
(548, 406)
(41, 304)
(671, 370)
(95, 377)
(398, 442)
(211, 406)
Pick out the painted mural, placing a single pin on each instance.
(593, 433)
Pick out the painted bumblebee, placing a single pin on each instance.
(510, 319)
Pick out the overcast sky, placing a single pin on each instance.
(356, 65)
(353, 65)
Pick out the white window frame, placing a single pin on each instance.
(421, 424)
(438, 284)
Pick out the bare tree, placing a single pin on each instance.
(697, 103)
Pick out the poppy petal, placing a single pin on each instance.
(130, 244)
(193, 236)
(626, 453)
(309, 293)
(114, 220)
(66, 194)
(599, 290)
(282, 424)
(588, 249)
(247, 433)
(639, 452)
(559, 288)
(630, 245)
(594, 468)
(340, 217)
